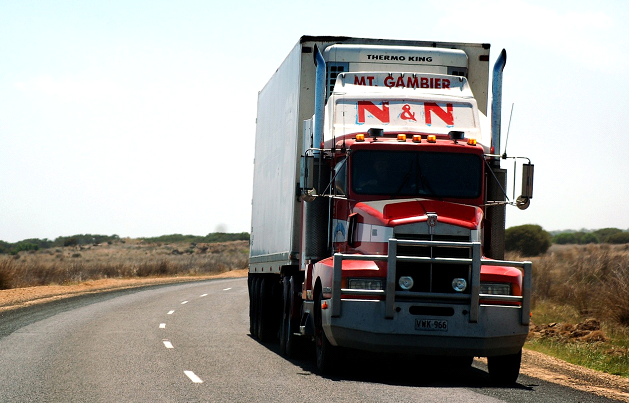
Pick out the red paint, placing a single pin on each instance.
(380, 114)
(446, 116)
(361, 80)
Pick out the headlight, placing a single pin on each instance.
(495, 288)
(406, 282)
(365, 284)
(459, 284)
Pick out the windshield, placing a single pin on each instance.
(406, 173)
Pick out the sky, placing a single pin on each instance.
(137, 117)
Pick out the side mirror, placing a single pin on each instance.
(524, 201)
(351, 229)
(306, 179)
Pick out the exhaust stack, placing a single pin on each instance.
(319, 117)
(497, 179)
(496, 105)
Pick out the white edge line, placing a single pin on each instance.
(193, 377)
(162, 326)
(170, 312)
(184, 302)
(204, 295)
(168, 344)
(227, 289)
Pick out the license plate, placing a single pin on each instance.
(431, 324)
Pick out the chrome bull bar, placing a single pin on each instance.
(474, 297)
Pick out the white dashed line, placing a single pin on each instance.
(168, 344)
(162, 326)
(204, 295)
(184, 302)
(193, 377)
(170, 312)
(227, 289)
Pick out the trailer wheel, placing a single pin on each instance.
(250, 287)
(325, 352)
(265, 325)
(504, 369)
(286, 330)
(254, 307)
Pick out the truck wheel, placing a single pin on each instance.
(288, 326)
(504, 369)
(254, 308)
(251, 299)
(461, 364)
(325, 352)
(265, 331)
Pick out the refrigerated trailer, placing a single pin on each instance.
(378, 211)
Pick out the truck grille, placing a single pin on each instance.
(433, 277)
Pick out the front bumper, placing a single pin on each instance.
(363, 326)
(388, 324)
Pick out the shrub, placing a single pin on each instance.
(618, 238)
(588, 238)
(529, 239)
(604, 233)
(73, 241)
(565, 238)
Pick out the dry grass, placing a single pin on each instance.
(572, 285)
(592, 279)
(126, 259)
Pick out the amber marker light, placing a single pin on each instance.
(432, 138)
(360, 137)
(417, 138)
(401, 137)
(471, 142)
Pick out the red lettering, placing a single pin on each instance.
(445, 83)
(424, 82)
(399, 82)
(446, 116)
(412, 82)
(389, 82)
(437, 83)
(380, 114)
(361, 80)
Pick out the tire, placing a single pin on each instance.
(325, 352)
(265, 308)
(288, 325)
(461, 364)
(255, 306)
(250, 281)
(504, 369)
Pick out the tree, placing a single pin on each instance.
(618, 238)
(588, 238)
(565, 238)
(529, 239)
(604, 233)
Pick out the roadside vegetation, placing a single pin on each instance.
(580, 281)
(580, 295)
(114, 257)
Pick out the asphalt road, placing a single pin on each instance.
(190, 343)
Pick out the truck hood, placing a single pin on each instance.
(392, 213)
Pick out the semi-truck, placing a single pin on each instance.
(379, 203)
